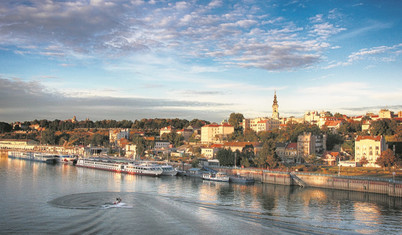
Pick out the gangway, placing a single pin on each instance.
(299, 181)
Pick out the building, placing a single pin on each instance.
(186, 133)
(116, 134)
(18, 144)
(331, 158)
(261, 124)
(308, 144)
(366, 125)
(215, 133)
(131, 151)
(166, 130)
(275, 106)
(385, 113)
(264, 123)
(312, 117)
(287, 153)
(333, 125)
(234, 146)
(209, 152)
(369, 147)
(162, 145)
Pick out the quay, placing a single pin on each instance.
(349, 183)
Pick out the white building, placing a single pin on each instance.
(369, 147)
(116, 134)
(214, 133)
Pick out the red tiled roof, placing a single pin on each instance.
(240, 144)
(292, 146)
(366, 137)
(332, 123)
(216, 146)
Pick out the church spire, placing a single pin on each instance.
(275, 106)
(275, 101)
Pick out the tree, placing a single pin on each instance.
(267, 155)
(5, 127)
(225, 157)
(363, 161)
(48, 137)
(383, 127)
(333, 139)
(235, 119)
(250, 135)
(313, 159)
(387, 159)
(140, 143)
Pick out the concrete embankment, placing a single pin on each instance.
(370, 185)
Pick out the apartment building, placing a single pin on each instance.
(369, 147)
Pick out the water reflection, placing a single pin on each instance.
(261, 206)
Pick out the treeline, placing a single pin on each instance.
(143, 124)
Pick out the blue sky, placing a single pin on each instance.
(136, 59)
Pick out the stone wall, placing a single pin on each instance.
(322, 181)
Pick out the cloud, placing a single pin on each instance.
(241, 35)
(20, 99)
(375, 54)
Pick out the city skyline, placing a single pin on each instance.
(197, 59)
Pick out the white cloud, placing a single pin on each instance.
(378, 54)
(102, 29)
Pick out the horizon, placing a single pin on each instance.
(129, 60)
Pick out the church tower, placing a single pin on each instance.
(275, 113)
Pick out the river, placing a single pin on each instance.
(38, 198)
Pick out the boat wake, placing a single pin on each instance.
(96, 200)
(118, 205)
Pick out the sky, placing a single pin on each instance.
(134, 59)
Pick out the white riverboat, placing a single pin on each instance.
(168, 170)
(218, 176)
(143, 169)
(37, 157)
(101, 164)
(44, 157)
(122, 167)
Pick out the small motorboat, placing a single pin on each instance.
(118, 201)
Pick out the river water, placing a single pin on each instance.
(37, 198)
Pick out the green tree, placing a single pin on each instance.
(383, 127)
(235, 119)
(225, 157)
(5, 127)
(267, 155)
(333, 139)
(250, 135)
(141, 147)
(387, 159)
(48, 137)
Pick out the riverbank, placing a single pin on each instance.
(350, 183)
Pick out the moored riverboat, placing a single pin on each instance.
(241, 179)
(168, 170)
(101, 164)
(37, 157)
(218, 176)
(44, 157)
(143, 169)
